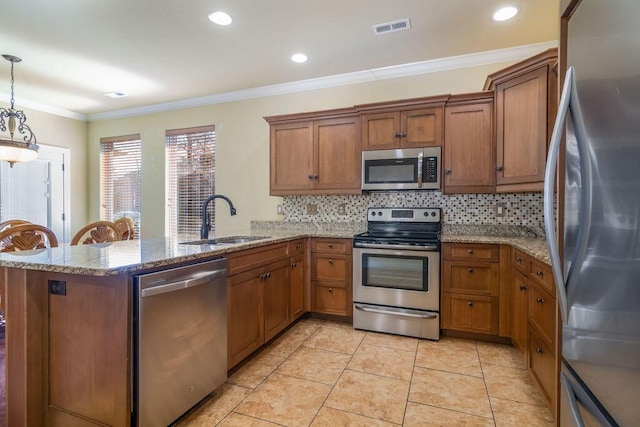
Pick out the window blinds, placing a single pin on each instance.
(120, 170)
(190, 176)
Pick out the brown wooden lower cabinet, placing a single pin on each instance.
(331, 276)
(470, 313)
(277, 298)
(542, 363)
(519, 316)
(330, 299)
(298, 285)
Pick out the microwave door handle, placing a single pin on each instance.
(420, 160)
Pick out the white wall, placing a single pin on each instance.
(242, 138)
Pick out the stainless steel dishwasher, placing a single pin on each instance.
(180, 340)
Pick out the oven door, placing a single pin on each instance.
(397, 278)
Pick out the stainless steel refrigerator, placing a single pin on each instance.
(598, 271)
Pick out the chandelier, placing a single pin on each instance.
(11, 150)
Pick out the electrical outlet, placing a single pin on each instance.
(280, 210)
(342, 209)
(312, 209)
(500, 209)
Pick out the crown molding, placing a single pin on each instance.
(403, 70)
(32, 105)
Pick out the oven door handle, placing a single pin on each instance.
(383, 246)
(395, 313)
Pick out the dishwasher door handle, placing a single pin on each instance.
(197, 280)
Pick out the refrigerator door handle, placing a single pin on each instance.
(568, 102)
(571, 401)
(549, 181)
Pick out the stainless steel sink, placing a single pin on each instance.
(231, 240)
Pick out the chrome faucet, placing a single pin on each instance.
(204, 229)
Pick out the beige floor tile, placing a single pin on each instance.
(392, 341)
(447, 390)
(211, 411)
(315, 365)
(285, 400)
(429, 416)
(341, 325)
(335, 417)
(388, 362)
(512, 384)
(370, 395)
(500, 354)
(235, 419)
(509, 413)
(342, 340)
(289, 342)
(449, 355)
(257, 369)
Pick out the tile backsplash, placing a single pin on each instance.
(521, 209)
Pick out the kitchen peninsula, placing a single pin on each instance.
(69, 355)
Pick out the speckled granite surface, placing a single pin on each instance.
(134, 255)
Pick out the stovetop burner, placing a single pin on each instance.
(401, 226)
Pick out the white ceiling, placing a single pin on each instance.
(161, 51)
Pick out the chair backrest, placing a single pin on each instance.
(96, 232)
(12, 223)
(27, 237)
(125, 227)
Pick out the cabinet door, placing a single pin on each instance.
(330, 299)
(380, 131)
(470, 313)
(521, 130)
(291, 157)
(337, 154)
(277, 298)
(421, 128)
(519, 324)
(471, 277)
(331, 268)
(297, 286)
(245, 316)
(468, 149)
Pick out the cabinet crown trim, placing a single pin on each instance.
(548, 57)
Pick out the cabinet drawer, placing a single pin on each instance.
(341, 246)
(476, 252)
(543, 365)
(520, 260)
(297, 247)
(331, 267)
(470, 313)
(330, 299)
(541, 273)
(479, 278)
(542, 314)
(252, 258)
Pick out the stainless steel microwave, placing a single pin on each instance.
(403, 169)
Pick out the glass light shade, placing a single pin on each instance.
(13, 151)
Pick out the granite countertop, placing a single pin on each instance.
(135, 255)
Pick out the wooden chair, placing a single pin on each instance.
(126, 228)
(97, 232)
(8, 224)
(27, 237)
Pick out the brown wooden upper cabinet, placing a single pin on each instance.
(525, 109)
(314, 153)
(410, 123)
(469, 144)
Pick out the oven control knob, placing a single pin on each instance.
(379, 213)
(426, 214)
(373, 214)
(433, 214)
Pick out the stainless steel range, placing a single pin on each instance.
(396, 272)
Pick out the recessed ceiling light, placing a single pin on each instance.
(220, 18)
(505, 13)
(299, 57)
(115, 94)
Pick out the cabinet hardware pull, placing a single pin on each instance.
(523, 288)
(539, 350)
(447, 171)
(498, 168)
(293, 265)
(519, 260)
(331, 245)
(470, 270)
(470, 251)
(396, 134)
(470, 303)
(310, 176)
(539, 273)
(539, 300)
(330, 289)
(403, 134)
(263, 276)
(330, 261)
(298, 245)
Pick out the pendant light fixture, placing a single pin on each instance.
(11, 150)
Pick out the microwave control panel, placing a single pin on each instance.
(430, 169)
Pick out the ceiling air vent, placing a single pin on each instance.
(390, 27)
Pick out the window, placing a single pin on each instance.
(190, 174)
(120, 171)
